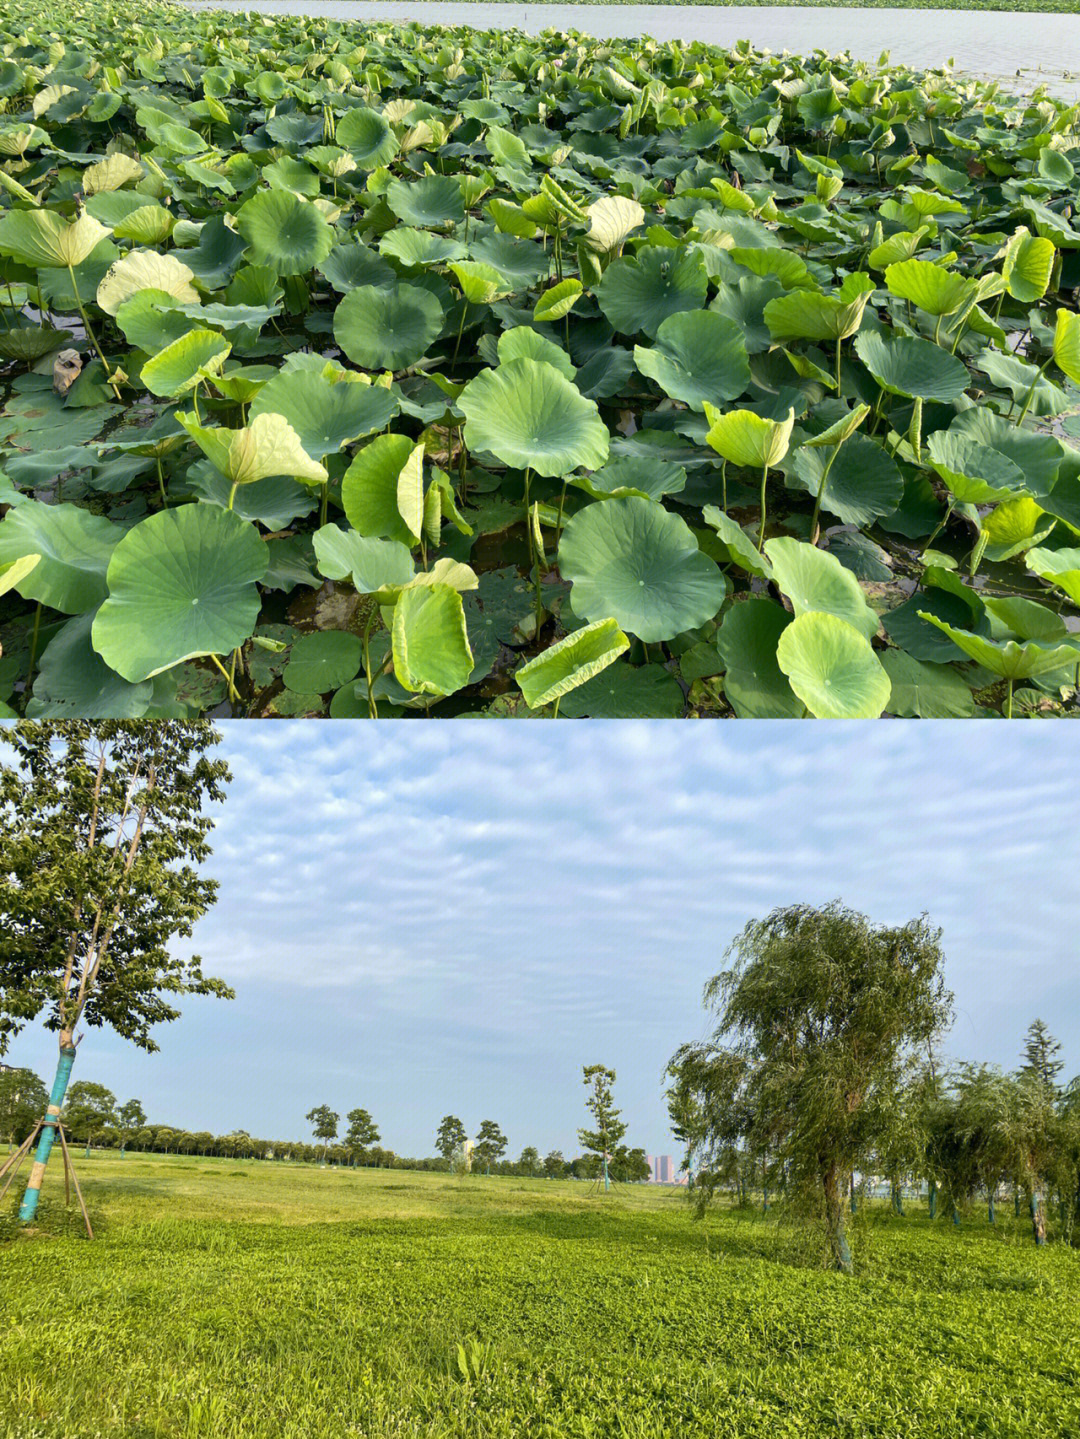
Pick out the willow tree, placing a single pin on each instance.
(820, 1012)
(104, 828)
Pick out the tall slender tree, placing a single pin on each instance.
(604, 1139)
(362, 1132)
(324, 1124)
(103, 829)
(490, 1143)
(450, 1136)
(1041, 1060)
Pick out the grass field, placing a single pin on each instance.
(251, 1301)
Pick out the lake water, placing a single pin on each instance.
(1024, 49)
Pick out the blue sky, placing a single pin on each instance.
(427, 918)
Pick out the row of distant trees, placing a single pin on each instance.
(822, 1071)
(93, 1116)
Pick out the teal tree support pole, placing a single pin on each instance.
(933, 1198)
(29, 1205)
(607, 1183)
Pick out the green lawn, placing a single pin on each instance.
(241, 1299)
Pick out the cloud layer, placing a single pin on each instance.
(427, 918)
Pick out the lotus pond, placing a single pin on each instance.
(356, 370)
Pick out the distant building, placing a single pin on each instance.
(663, 1170)
(463, 1155)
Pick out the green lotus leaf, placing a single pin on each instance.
(349, 266)
(73, 548)
(699, 355)
(754, 684)
(387, 329)
(523, 343)
(39, 238)
(746, 439)
(368, 138)
(571, 662)
(1038, 456)
(431, 203)
(815, 581)
(1028, 265)
(648, 479)
(629, 559)
(974, 473)
(833, 668)
(284, 231)
(368, 564)
(180, 366)
(529, 416)
(1009, 659)
(145, 270)
(637, 293)
(557, 302)
(151, 319)
(624, 691)
(931, 287)
(370, 489)
(915, 368)
(31, 342)
(744, 301)
(420, 247)
(1013, 527)
(840, 431)
(430, 641)
(1059, 567)
(1067, 344)
(808, 315)
(740, 548)
(182, 583)
(480, 284)
(148, 225)
(325, 415)
(273, 503)
(13, 572)
(864, 482)
(267, 445)
(612, 219)
(322, 662)
(925, 691)
(74, 682)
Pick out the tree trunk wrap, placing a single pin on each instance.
(29, 1205)
(933, 1199)
(854, 1197)
(1038, 1219)
(990, 1208)
(834, 1215)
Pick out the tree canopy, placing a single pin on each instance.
(103, 829)
(821, 1014)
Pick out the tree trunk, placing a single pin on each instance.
(1038, 1219)
(29, 1205)
(990, 1206)
(897, 1197)
(834, 1218)
(932, 1196)
(854, 1198)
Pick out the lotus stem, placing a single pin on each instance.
(460, 329)
(820, 495)
(723, 485)
(232, 494)
(1031, 393)
(161, 485)
(324, 502)
(761, 531)
(555, 707)
(838, 366)
(1009, 700)
(939, 526)
(90, 333)
(234, 694)
(558, 521)
(33, 645)
(373, 709)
